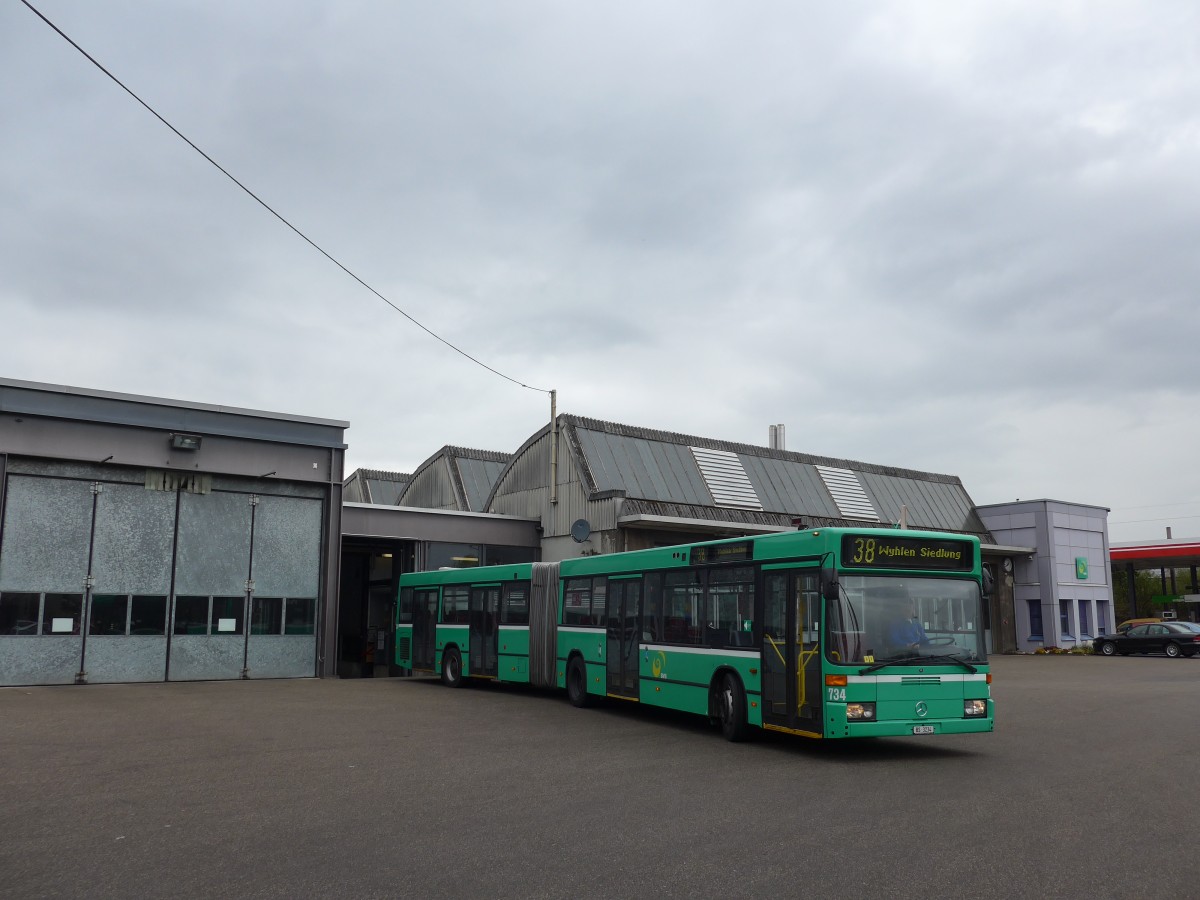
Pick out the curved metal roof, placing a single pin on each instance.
(374, 486)
(461, 478)
(668, 473)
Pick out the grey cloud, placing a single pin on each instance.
(916, 234)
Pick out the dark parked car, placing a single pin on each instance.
(1171, 638)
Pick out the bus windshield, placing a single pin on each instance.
(887, 617)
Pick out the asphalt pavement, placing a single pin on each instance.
(403, 788)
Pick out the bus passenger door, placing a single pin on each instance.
(623, 625)
(425, 605)
(484, 624)
(791, 657)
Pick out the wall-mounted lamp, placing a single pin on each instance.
(185, 441)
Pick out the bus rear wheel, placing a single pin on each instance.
(577, 691)
(731, 708)
(452, 676)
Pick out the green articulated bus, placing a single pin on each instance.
(824, 633)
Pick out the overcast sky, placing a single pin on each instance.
(953, 237)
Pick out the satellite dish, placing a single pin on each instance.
(580, 530)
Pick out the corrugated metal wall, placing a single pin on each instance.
(525, 492)
(432, 487)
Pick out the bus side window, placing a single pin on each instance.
(455, 606)
(577, 602)
(652, 610)
(515, 608)
(599, 598)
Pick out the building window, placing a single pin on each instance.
(1064, 617)
(62, 614)
(1084, 630)
(300, 615)
(440, 555)
(266, 615)
(191, 615)
(19, 613)
(1035, 620)
(1102, 617)
(148, 614)
(109, 614)
(452, 556)
(228, 615)
(502, 556)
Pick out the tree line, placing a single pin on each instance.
(1148, 584)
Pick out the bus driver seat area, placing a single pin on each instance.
(886, 610)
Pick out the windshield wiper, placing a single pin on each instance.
(909, 660)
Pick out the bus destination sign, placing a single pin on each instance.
(718, 553)
(888, 552)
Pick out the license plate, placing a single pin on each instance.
(922, 729)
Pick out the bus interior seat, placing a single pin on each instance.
(675, 629)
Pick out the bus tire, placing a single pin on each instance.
(577, 691)
(452, 676)
(731, 708)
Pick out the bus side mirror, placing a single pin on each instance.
(988, 583)
(829, 584)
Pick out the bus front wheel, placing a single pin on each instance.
(731, 708)
(577, 691)
(452, 675)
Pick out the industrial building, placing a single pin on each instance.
(144, 539)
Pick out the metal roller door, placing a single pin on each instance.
(282, 641)
(212, 573)
(43, 574)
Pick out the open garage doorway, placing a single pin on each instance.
(371, 568)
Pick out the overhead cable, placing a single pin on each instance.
(268, 208)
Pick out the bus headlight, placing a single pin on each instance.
(860, 711)
(974, 708)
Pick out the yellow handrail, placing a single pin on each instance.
(802, 658)
(775, 647)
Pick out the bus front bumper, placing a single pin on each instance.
(918, 727)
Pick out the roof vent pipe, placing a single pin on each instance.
(778, 438)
